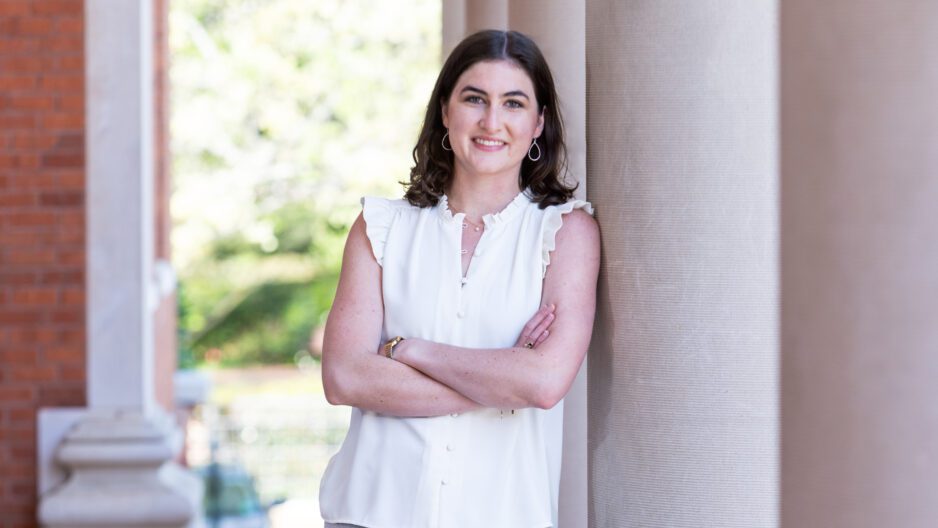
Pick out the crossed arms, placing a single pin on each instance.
(426, 378)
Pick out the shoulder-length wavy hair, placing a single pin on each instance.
(433, 166)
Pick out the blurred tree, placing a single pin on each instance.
(284, 113)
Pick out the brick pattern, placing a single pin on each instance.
(161, 89)
(42, 230)
(42, 237)
(165, 316)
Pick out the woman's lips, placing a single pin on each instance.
(488, 144)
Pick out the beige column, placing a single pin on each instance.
(681, 153)
(859, 264)
(486, 14)
(454, 25)
(558, 27)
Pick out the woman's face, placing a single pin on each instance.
(492, 117)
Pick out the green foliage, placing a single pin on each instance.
(253, 309)
(285, 112)
(186, 358)
(270, 324)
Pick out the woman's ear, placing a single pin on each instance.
(540, 123)
(443, 109)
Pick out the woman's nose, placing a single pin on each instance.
(491, 120)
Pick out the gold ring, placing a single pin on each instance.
(529, 344)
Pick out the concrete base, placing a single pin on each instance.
(121, 475)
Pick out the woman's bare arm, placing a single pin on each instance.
(519, 377)
(352, 372)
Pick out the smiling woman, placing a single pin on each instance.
(479, 60)
(491, 121)
(463, 311)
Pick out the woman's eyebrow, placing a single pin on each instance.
(506, 94)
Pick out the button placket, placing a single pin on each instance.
(460, 312)
(446, 450)
(478, 251)
(452, 490)
(462, 308)
(447, 441)
(461, 303)
(449, 473)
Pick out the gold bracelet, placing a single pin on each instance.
(389, 346)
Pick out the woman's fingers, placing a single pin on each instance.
(528, 329)
(536, 326)
(543, 325)
(535, 320)
(542, 337)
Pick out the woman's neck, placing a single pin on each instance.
(479, 197)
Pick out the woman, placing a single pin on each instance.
(464, 311)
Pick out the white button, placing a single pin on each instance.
(449, 447)
(460, 314)
(443, 482)
(454, 414)
(464, 280)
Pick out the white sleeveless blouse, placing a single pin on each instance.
(486, 468)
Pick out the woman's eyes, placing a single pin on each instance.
(511, 103)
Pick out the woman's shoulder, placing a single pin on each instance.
(570, 206)
(575, 217)
(553, 216)
(384, 203)
(379, 215)
(379, 207)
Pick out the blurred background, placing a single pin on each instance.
(176, 178)
(284, 113)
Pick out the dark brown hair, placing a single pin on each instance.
(433, 166)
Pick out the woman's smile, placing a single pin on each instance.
(488, 144)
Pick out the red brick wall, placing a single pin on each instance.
(42, 218)
(165, 316)
(42, 231)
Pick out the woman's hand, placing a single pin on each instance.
(411, 341)
(536, 330)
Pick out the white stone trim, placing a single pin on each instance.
(120, 223)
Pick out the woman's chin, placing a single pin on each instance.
(492, 169)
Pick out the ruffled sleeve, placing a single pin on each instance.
(553, 219)
(378, 214)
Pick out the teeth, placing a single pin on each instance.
(489, 143)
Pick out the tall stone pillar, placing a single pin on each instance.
(119, 453)
(681, 153)
(558, 27)
(859, 263)
(454, 25)
(486, 14)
